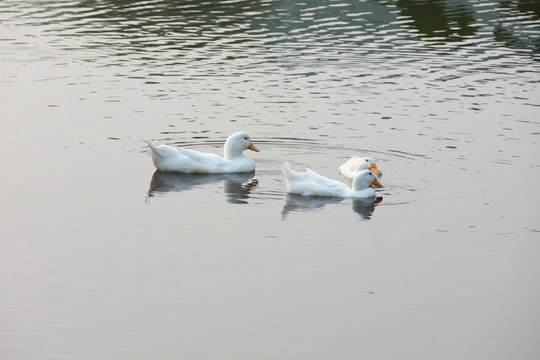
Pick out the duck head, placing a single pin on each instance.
(357, 163)
(369, 163)
(365, 179)
(236, 144)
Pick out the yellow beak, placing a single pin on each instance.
(376, 183)
(374, 169)
(253, 148)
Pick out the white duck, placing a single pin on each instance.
(356, 163)
(181, 160)
(309, 183)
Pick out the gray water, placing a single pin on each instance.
(102, 258)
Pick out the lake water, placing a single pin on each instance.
(102, 258)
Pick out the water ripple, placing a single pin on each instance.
(350, 65)
(256, 31)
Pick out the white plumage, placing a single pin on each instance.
(309, 183)
(356, 164)
(181, 160)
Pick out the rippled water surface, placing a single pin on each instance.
(103, 257)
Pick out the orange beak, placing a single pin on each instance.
(374, 169)
(253, 148)
(376, 183)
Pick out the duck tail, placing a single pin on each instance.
(156, 150)
(287, 171)
(290, 174)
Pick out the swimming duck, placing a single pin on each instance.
(356, 163)
(309, 183)
(181, 160)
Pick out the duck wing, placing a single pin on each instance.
(323, 186)
(309, 183)
(199, 156)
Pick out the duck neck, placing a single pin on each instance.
(360, 183)
(232, 150)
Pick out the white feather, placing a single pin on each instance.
(181, 160)
(309, 183)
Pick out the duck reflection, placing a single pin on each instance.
(236, 186)
(363, 207)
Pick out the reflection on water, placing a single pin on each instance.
(437, 18)
(239, 192)
(519, 35)
(166, 27)
(364, 207)
(294, 202)
(524, 6)
(181, 33)
(237, 187)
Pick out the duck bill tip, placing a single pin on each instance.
(377, 184)
(253, 148)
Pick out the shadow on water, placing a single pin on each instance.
(363, 207)
(237, 187)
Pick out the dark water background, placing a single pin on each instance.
(103, 258)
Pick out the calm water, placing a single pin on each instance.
(102, 258)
